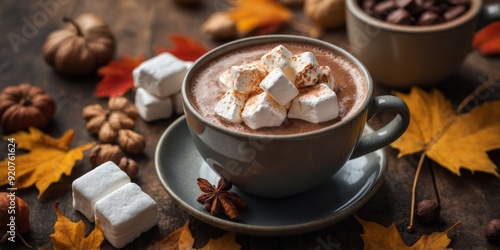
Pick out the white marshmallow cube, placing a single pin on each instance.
(161, 75)
(279, 87)
(177, 100)
(152, 107)
(263, 111)
(304, 70)
(278, 57)
(125, 213)
(230, 106)
(317, 104)
(326, 77)
(94, 185)
(260, 66)
(245, 78)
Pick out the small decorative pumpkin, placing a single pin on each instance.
(25, 106)
(81, 47)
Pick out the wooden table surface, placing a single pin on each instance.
(473, 199)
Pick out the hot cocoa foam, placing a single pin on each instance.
(205, 91)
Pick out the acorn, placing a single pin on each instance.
(428, 211)
(492, 232)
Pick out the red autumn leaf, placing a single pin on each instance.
(117, 76)
(185, 48)
(487, 40)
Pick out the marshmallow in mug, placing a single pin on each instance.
(261, 93)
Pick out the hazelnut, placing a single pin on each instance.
(220, 26)
(129, 166)
(130, 141)
(102, 153)
(492, 232)
(11, 205)
(428, 211)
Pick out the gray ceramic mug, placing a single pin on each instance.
(277, 166)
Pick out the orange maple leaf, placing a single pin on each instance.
(46, 162)
(377, 237)
(265, 15)
(487, 40)
(70, 235)
(117, 76)
(185, 48)
(183, 239)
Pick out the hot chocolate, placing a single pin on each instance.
(205, 90)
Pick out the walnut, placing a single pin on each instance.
(219, 26)
(129, 166)
(102, 153)
(130, 141)
(106, 123)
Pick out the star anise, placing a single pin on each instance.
(217, 199)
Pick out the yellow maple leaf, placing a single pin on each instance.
(182, 239)
(453, 140)
(227, 242)
(47, 160)
(252, 14)
(70, 235)
(376, 237)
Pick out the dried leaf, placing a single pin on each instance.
(451, 139)
(70, 235)
(265, 15)
(182, 239)
(117, 77)
(226, 242)
(487, 40)
(47, 160)
(185, 48)
(377, 237)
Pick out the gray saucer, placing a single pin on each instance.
(178, 165)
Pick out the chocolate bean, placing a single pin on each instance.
(429, 18)
(416, 12)
(383, 8)
(368, 4)
(405, 4)
(457, 2)
(454, 12)
(425, 3)
(400, 16)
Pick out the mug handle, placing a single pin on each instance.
(390, 132)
